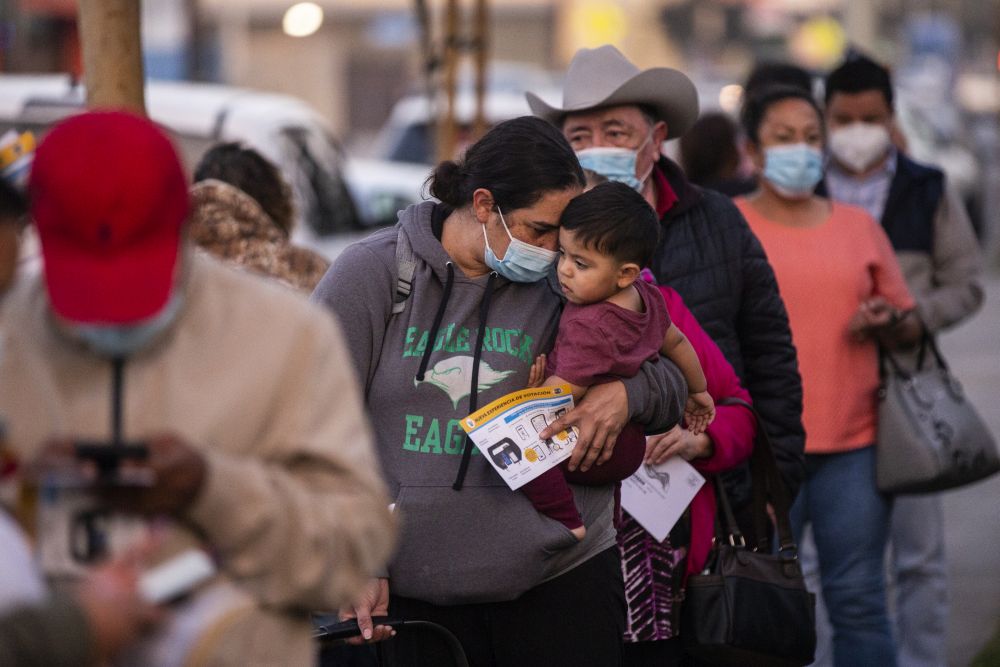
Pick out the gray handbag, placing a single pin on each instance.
(930, 437)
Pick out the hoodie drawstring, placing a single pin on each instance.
(437, 322)
(484, 311)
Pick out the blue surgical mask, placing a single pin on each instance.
(123, 340)
(523, 262)
(615, 164)
(793, 170)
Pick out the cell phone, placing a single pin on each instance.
(107, 458)
(175, 578)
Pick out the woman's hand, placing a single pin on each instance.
(600, 417)
(872, 314)
(677, 441)
(877, 318)
(373, 602)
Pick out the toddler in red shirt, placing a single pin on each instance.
(612, 323)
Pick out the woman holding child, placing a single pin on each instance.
(844, 290)
(445, 313)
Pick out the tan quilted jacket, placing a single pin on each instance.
(231, 225)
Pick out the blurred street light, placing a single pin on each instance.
(819, 42)
(302, 19)
(594, 23)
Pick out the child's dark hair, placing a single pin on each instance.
(615, 220)
(518, 161)
(859, 74)
(249, 171)
(755, 108)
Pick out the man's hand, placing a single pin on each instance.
(373, 602)
(677, 441)
(177, 471)
(178, 474)
(600, 417)
(115, 611)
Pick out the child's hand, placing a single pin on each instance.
(537, 373)
(699, 412)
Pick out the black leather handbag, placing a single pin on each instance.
(750, 606)
(930, 437)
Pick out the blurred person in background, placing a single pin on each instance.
(770, 73)
(475, 556)
(941, 260)
(102, 615)
(13, 217)
(223, 377)
(845, 293)
(89, 625)
(17, 152)
(711, 157)
(242, 212)
(616, 117)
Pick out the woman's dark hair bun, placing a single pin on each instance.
(518, 161)
(446, 183)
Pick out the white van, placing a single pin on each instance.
(339, 200)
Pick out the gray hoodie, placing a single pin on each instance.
(482, 542)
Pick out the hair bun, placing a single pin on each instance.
(446, 183)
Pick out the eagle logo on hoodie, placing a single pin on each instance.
(453, 376)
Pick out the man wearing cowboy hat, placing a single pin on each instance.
(616, 116)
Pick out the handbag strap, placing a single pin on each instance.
(731, 530)
(930, 341)
(768, 487)
(927, 342)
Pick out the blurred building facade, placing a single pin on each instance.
(366, 53)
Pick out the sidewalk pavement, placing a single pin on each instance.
(972, 514)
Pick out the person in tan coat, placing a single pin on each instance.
(258, 449)
(242, 212)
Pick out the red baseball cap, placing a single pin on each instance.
(109, 199)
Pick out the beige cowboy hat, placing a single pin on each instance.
(603, 77)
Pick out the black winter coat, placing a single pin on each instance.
(708, 253)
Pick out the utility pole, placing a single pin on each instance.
(447, 138)
(861, 23)
(112, 54)
(480, 51)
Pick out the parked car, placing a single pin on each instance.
(406, 137)
(333, 211)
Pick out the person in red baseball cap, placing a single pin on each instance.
(220, 378)
(109, 201)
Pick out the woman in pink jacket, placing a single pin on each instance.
(655, 572)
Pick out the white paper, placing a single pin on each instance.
(656, 496)
(506, 433)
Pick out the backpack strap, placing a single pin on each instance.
(406, 266)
